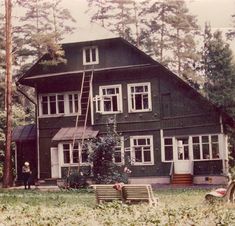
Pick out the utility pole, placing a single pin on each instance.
(8, 103)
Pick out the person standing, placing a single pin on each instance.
(26, 175)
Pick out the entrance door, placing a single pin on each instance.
(54, 163)
(182, 162)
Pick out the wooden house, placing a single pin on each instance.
(171, 132)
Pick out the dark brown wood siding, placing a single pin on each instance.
(112, 53)
(26, 151)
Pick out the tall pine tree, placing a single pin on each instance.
(119, 16)
(219, 71)
(231, 32)
(42, 28)
(184, 29)
(163, 29)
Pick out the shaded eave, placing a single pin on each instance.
(32, 80)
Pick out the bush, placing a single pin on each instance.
(76, 180)
(105, 171)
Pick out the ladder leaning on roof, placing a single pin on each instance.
(84, 102)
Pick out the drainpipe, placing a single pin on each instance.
(221, 123)
(37, 127)
(36, 121)
(26, 95)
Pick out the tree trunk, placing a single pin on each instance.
(7, 162)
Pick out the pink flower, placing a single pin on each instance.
(126, 170)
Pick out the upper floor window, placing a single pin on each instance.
(73, 102)
(139, 97)
(142, 150)
(63, 103)
(90, 55)
(52, 104)
(109, 100)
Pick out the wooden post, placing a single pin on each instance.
(8, 37)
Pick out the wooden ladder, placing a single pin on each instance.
(82, 116)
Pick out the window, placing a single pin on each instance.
(119, 152)
(52, 104)
(205, 147)
(73, 103)
(139, 97)
(110, 100)
(215, 147)
(183, 148)
(75, 155)
(142, 150)
(197, 147)
(63, 103)
(168, 149)
(90, 55)
(66, 153)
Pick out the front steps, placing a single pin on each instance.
(46, 182)
(182, 179)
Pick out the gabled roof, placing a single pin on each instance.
(132, 57)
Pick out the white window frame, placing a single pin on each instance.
(66, 104)
(121, 147)
(49, 103)
(61, 154)
(221, 145)
(210, 147)
(96, 61)
(173, 148)
(99, 100)
(130, 108)
(73, 103)
(134, 162)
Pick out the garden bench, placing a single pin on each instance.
(222, 193)
(106, 192)
(133, 193)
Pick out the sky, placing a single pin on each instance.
(216, 12)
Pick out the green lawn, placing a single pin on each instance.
(177, 207)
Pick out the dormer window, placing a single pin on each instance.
(90, 55)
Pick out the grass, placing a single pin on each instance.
(177, 207)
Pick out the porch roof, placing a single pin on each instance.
(69, 133)
(24, 133)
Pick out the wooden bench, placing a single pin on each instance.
(135, 193)
(106, 192)
(129, 193)
(223, 194)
